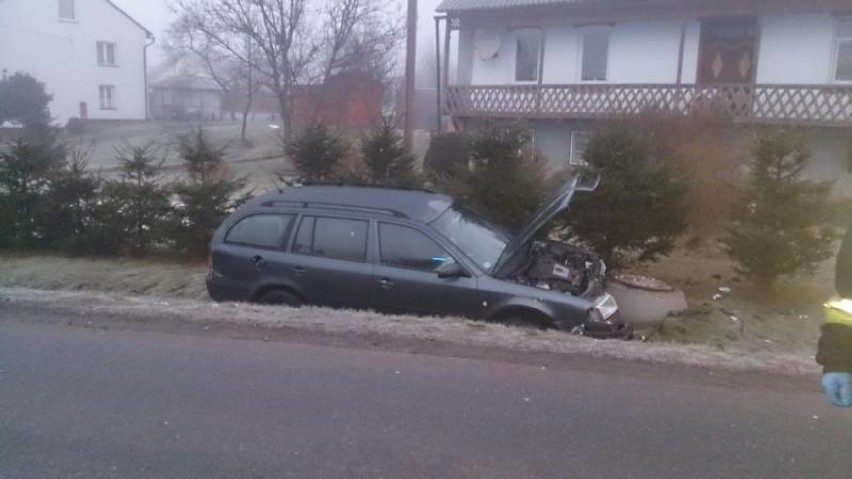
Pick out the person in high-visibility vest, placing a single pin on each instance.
(835, 343)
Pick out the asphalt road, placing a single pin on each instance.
(90, 403)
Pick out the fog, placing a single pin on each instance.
(156, 16)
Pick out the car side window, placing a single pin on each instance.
(265, 231)
(404, 247)
(332, 238)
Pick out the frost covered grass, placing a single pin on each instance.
(139, 277)
(448, 330)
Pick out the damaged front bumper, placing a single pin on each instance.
(604, 321)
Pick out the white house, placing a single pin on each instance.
(90, 54)
(566, 65)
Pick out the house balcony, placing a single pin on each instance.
(799, 105)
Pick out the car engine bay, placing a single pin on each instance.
(559, 267)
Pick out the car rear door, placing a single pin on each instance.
(405, 276)
(252, 251)
(329, 259)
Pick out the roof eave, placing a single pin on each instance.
(148, 34)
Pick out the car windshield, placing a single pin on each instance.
(479, 239)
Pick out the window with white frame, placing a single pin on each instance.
(595, 55)
(67, 10)
(527, 55)
(106, 53)
(107, 95)
(579, 142)
(843, 51)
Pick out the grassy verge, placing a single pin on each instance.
(137, 277)
(786, 318)
(783, 321)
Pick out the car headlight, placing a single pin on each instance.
(603, 310)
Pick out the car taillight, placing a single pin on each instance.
(209, 263)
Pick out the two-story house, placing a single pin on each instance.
(566, 65)
(90, 54)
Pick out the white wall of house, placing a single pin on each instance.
(796, 49)
(793, 49)
(63, 54)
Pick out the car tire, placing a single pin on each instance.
(280, 297)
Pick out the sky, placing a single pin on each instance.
(156, 16)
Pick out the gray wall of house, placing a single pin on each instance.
(830, 158)
(830, 148)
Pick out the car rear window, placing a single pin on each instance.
(332, 238)
(408, 248)
(265, 231)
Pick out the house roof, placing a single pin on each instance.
(464, 6)
(135, 22)
(187, 82)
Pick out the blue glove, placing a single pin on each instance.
(838, 388)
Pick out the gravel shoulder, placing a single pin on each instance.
(420, 335)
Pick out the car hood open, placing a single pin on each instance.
(584, 182)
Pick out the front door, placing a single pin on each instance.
(728, 52)
(405, 278)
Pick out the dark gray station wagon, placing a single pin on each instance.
(410, 252)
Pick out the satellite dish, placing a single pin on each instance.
(487, 44)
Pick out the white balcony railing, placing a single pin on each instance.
(790, 104)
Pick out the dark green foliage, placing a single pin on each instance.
(24, 99)
(317, 152)
(507, 181)
(447, 154)
(638, 210)
(66, 217)
(25, 171)
(781, 226)
(206, 199)
(386, 158)
(139, 203)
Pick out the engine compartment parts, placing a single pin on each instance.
(554, 266)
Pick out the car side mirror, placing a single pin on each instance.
(451, 270)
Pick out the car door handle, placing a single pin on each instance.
(298, 270)
(386, 283)
(259, 261)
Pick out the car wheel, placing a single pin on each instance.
(280, 297)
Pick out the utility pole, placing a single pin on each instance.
(410, 68)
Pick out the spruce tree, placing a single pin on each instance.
(781, 227)
(638, 211)
(317, 152)
(387, 159)
(208, 196)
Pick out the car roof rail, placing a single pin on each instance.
(333, 206)
(363, 185)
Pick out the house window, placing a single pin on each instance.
(107, 94)
(579, 142)
(67, 10)
(595, 55)
(843, 53)
(106, 54)
(527, 55)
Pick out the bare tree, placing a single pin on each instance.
(237, 80)
(291, 42)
